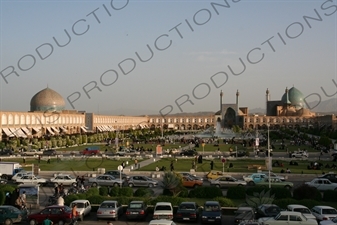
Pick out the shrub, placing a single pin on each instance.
(205, 192)
(92, 191)
(224, 202)
(81, 196)
(114, 191)
(68, 199)
(126, 192)
(143, 192)
(183, 193)
(256, 189)
(175, 201)
(309, 203)
(104, 191)
(167, 192)
(96, 199)
(283, 203)
(236, 192)
(281, 192)
(2, 197)
(330, 196)
(307, 192)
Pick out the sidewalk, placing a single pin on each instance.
(141, 164)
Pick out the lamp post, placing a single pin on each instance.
(269, 163)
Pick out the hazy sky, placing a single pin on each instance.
(107, 64)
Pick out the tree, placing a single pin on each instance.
(325, 141)
(172, 182)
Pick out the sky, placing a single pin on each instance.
(162, 57)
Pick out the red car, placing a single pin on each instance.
(91, 151)
(55, 213)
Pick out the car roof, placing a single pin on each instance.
(161, 222)
(211, 203)
(291, 213)
(136, 202)
(245, 208)
(323, 207)
(109, 201)
(188, 203)
(163, 203)
(80, 201)
(296, 206)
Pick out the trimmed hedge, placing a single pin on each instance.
(104, 191)
(205, 192)
(306, 192)
(330, 196)
(224, 202)
(175, 201)
(279, 192)
(236, 192)
(144, 192)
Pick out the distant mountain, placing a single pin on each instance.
(257, 111)
(327, 106)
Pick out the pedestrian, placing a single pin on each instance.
(24, 159)
(23, 198)
(171, 166)
(39, 159)
(136, 163)
(74, 213)
(82, 180)
(193, 164)
(47, 221)
(48, 161)
(212, 164)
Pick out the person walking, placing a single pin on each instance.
(47, 221)
(74, 213)
(136, 163)
(212, 164)
(171, 166)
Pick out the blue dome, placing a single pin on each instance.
(295, 98)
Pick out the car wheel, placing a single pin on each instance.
(8, 222)
(251, 183)
(288, 187)
(130, 185)
(81, 217)
(32, 222)
(116, 185)
(218, 186)
(116, 218)
(150, 185)
(61, 222)
(239, 185)
(94, 184)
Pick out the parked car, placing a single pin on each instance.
(211, 213)
(324, 212)
(302, 209)
(267, 210)
(65, 179)
(213, 174)
(161, 222)
(186, 174)
(163, 210)
(275, 182)
(300, 154)
(227, 181)
(289, 218)
(94, 150)
(244, 214)
(117, 174)
(49, 152)
(137, 210)
(190, 152)
(330, 176)
(187, 211)
(56, 213)
(105, 180)
(10, 214)
(329, 222)
(238, 154)
(6, 152)
(254, 178)
(83, 207)
(191, 182)
(322, 184)
(3, 181)
(142, 181)
(31, 179)
(109, 210)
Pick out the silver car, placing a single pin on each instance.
(109, 210)
(142, 181)
(227, 181)
(105, 180)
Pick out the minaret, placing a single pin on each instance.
(221, 116)
(237, 107)
(267, 100)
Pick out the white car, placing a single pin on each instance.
(300, 154)
(65, 179)
(324, 212)
(20, 174)
(322, 184)
(31, 179)
(329, 222)
(163, 210)
(273, 175)
(162, 222)
(302, 209)
(289, 218)
(83, 208)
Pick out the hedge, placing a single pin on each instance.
(330, 196)
(205, 192)
(307, 192)
(237, 192)
(224, 202)
(144, 192)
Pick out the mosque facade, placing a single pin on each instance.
(48, 117)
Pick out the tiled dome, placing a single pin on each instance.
(47, 100)
(295, 98)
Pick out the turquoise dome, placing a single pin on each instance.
(47, 100)
(295, 98)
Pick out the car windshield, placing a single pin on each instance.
(79, 205)
(187, 207)
(212, 208)
(107, 205)
(302, 210)
(329, 211)
(67, 209)
(135, 205)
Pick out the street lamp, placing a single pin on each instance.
(269, 163)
